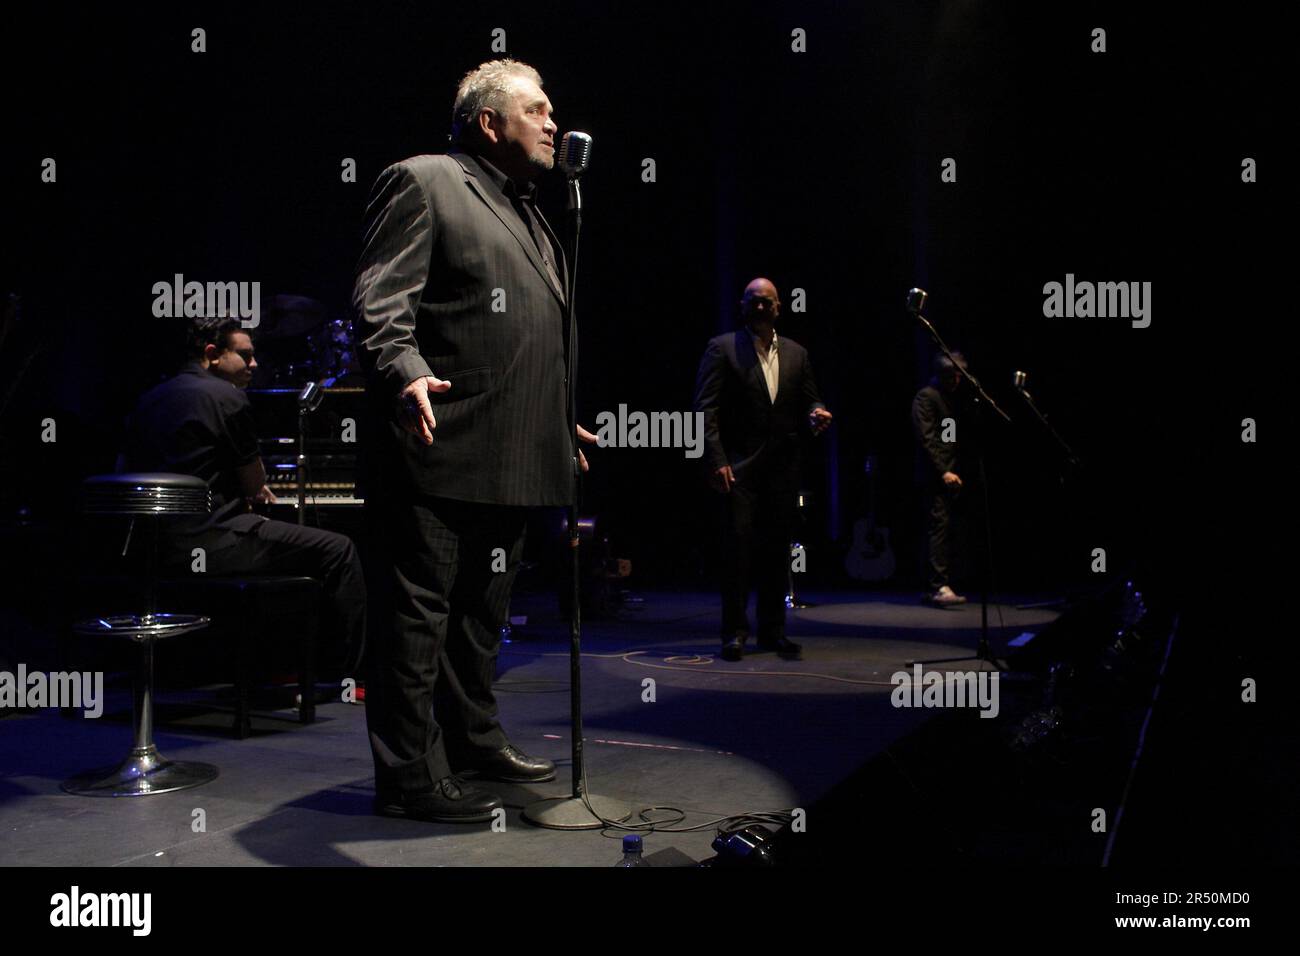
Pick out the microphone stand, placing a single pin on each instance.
(1072, 463)
(1071, 459)
(580, 810)
(309, 400)
(984, 651)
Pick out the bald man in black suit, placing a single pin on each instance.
(757, 392)
(461, 322)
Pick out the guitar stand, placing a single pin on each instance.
(792, 602)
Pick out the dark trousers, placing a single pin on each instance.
(251, 544)
(939, 508)
(756, 557)
(440, 586)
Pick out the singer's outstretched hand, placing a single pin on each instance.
(415, 414)
(722, 479)
(819, 419)
(590, 439)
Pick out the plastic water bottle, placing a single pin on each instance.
(632, 851)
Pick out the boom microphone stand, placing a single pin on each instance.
(1018, 382)
(1072, 463)
(309, 400)
(580, 810)
(916, 299)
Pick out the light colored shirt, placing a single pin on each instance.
(768, 359)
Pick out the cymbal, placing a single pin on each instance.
(291, 317)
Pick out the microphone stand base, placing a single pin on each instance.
(571, 813)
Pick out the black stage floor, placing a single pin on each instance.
(718, 739)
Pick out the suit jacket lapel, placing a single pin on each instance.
(561, 262)
(510, 219)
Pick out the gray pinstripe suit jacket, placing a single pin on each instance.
(442, 248)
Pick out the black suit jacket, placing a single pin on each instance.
(451, 284)
(929, 408)
(743, 427)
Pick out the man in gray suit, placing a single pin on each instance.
(461, 322)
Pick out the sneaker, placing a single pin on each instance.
(946, 597)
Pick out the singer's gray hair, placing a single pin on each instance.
(487, 86)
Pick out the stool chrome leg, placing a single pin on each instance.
(144, 770)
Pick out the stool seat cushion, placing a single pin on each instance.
(153, 479)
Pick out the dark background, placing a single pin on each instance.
(820, 170)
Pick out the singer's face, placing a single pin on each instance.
(526, 133)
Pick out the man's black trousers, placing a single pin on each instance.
(251, 544)
(440, 588)
(758, 527)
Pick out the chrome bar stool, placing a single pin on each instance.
(146, 499)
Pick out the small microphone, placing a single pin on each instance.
(916, 300)
(310, 397)
(1018, 380)
(575, 153)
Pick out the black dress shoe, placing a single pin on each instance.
(450, 800)
(512, 765)
(784, 648)
(733, 649)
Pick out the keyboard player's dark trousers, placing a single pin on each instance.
(252, 544)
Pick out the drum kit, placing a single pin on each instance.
(298, 343)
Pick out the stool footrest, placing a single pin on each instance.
(143, 627)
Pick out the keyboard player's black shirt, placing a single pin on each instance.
(195, 424)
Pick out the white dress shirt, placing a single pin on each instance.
(771, 364)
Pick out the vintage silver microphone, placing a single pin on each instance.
(574, 154)
(574, 157)
(309, 398)
(916, 300)
(1018, 380)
